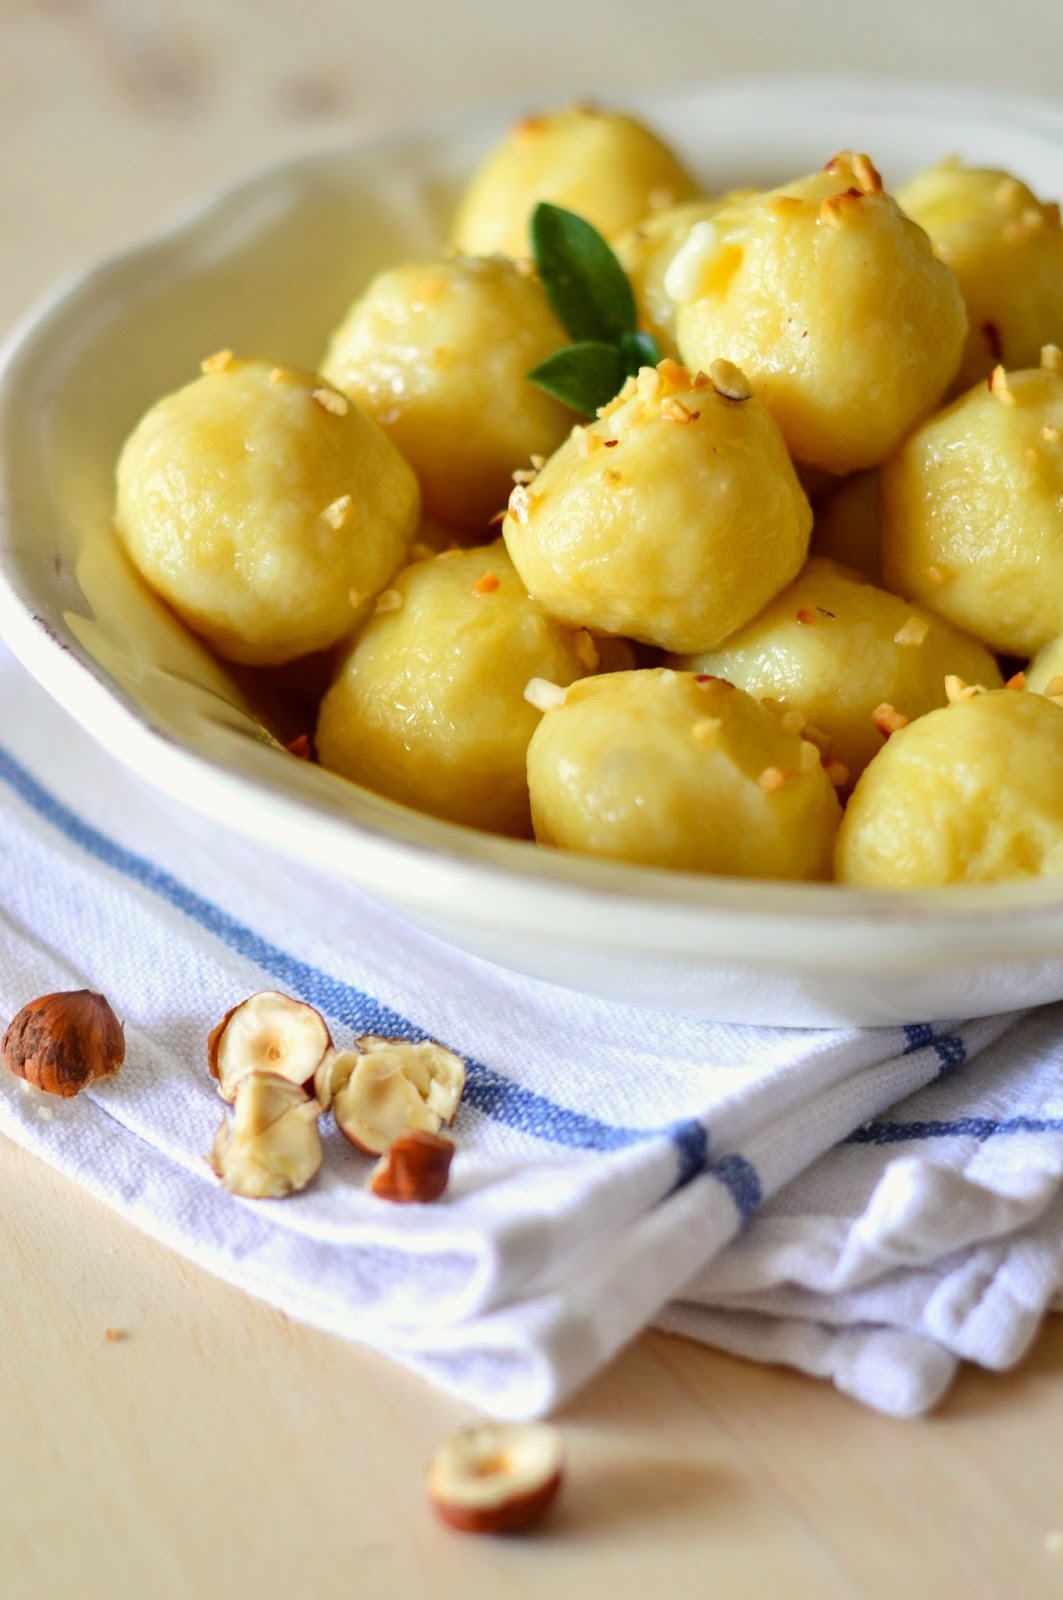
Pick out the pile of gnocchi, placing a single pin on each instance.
(789, 606)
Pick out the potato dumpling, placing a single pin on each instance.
(972, 512)
(671, 519)
(438, 353)
(970, 793)
(608, 168)
(647, 253)
(428, 706)
(845, 525)
(849, 657)
(1006, 250)
(668, 770)
(263, 507)
(834, 305)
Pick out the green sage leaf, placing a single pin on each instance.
(583, 280)
(638, 350)
(584, 375)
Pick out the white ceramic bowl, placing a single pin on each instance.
(267, 268)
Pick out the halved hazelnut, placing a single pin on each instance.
(272, 1147)
(496, 1477)
(267, 1032)
(385, 1087)
(61, 1042)
(414, 1169)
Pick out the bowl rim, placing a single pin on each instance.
(550, 882)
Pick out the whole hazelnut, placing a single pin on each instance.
(61, 1042)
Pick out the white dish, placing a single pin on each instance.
(267, 268)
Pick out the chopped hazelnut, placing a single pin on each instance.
(998, 385)
(338, 513)
(521, 503)
(385, 1087)
(888, 719)
(388, 600)
(729, 380)
(544, 695)
(272, 1147)
(914, 631)
(675, 411)
(217, 362)
(331, 400)
(956, 690)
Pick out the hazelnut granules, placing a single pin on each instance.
(331, 400)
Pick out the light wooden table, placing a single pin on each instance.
(218, 1449)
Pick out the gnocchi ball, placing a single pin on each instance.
(845, 525)
(438, 353)
(653, 253)
(853, 660)
(1006, 250)
(671, 519)
(263, 507)
(834, 305)
(668, 770)
(970, 793)
(428, 706)
(608, 168)
(972, 512)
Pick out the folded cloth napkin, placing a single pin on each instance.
(872, 1205)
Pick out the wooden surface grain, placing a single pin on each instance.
(213, 1448)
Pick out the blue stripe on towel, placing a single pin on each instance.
(949, 1048)
(691, 1141)
(980, 1128)
(488, 1091)
(739, 1178)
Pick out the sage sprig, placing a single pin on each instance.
(593, 300)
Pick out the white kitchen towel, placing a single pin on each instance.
(616, 1166)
